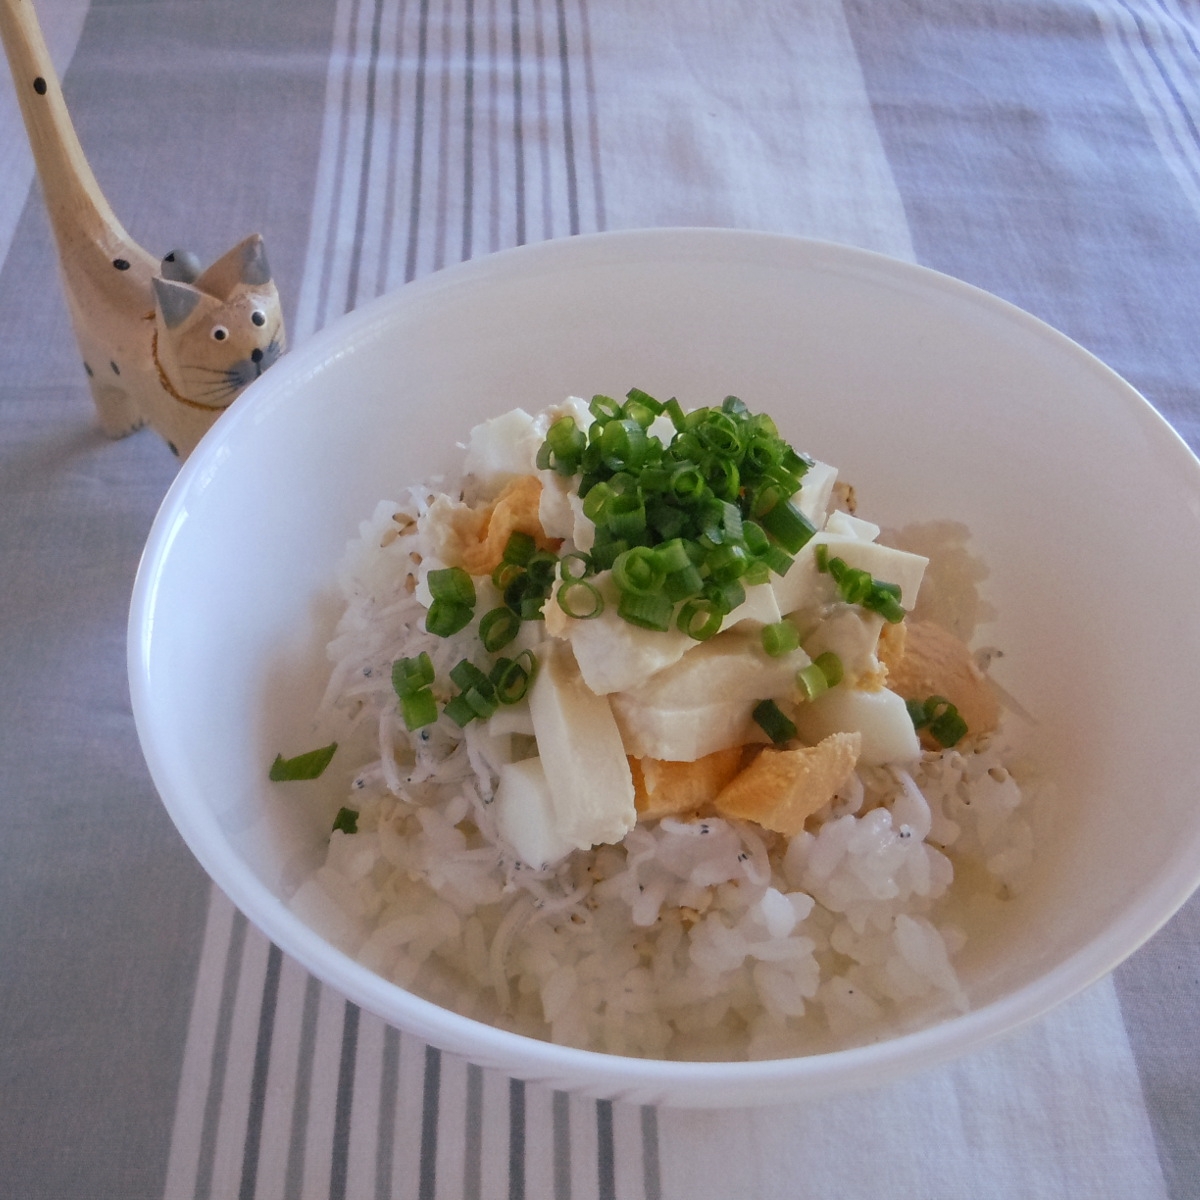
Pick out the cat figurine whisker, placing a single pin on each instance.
(164, 342)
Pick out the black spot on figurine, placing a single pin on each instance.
(171, 447)
(39, 86)
(115, 369)
(88, 369)
(122, 264)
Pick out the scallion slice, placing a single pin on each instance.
(498, 627)
(700, 619)
(771, 719)
(811, 681)
(787, 525)
(418, 708)
(411, 674)
(512, 677)
(831, 667)
(648, 612)
(309, 765)
(575, 565)
(346, 821)
(780, 638)
(519, 548)
(638, 571)
(580, 599)
(940, 717)
(453, 585)
(445, 617)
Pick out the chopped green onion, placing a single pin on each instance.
(567, 443)
(459, 710)
(497, 628)
(482, 702)
(511, 678)
(940, 717)
(787, 525)
(580, 599)
(575, 565)
(811, 681)
(700, 619)
(780, 638)
(681, 585)
(674, 410)
(452, 584)
(726, 596)
(466, 674)
(728, 563)
(637, 571)
(648, 612)
(604, 409)
(771, 719)
(672, 556)
(831, 667)
(346, 821)
(418, 708)
(519, 548)
(858, 587)
(777, 560)
(446, 618)
(304, 766)
(411, 674)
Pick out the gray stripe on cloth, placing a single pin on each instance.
(562, 1146)
(516, 1139)
(605, 1151)
(364, 173)
(429, 1124)
(389, 1081)
(518, 122)
(294, 1179)
(651, 1171)
(414, 205)
(473, 1134)
(344, 1103)
(258, 1086)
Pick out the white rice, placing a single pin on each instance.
(707, 939)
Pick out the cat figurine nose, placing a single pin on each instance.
(256, 355)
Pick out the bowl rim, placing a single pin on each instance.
(589, 1071)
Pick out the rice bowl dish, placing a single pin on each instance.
(952, 411)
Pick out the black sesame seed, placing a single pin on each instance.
(39, 86)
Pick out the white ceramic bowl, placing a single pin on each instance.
(937, 400)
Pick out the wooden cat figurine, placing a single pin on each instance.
(164, 343)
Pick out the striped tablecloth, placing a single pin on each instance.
(152, 1044)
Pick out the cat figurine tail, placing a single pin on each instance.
(164, 343)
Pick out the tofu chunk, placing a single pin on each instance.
(580, 748)
(703, 703)
(880, 716)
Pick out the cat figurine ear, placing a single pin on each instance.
(211, 332)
